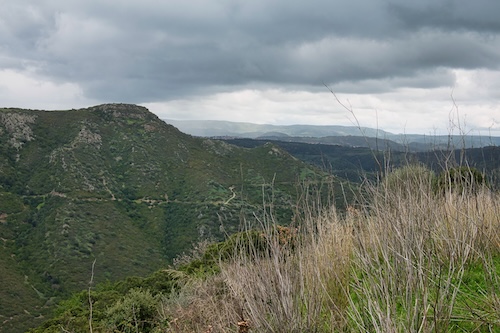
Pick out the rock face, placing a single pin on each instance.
(18, 127)
(116, 184)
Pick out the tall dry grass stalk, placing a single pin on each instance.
(400, 262)
(413, 250)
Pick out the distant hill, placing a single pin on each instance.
(350, 136)
(358, 163)
(210, 128)
(115, 184)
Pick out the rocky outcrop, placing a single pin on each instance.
(18, 127)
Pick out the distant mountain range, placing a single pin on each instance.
(350, 136)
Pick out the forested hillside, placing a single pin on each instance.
(115, 184)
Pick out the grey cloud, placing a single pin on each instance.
(21, 28)
(143, 51)
(450, 15)
(423, 80)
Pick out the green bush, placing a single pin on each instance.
(460, 179)
(408, 175)
(135, 312)
(208, 262)
(410, 181)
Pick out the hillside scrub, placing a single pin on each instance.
(406, 258)
(116, 184)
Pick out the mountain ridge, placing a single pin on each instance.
(252, 130)
(115, 184)
(344, 135)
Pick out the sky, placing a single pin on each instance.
(427, 66)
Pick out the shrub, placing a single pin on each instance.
(461, 179)
(135, 312)
(406, 181)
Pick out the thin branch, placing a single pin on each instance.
(90, 299)
(358, 125)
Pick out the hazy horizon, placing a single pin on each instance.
(457, 132)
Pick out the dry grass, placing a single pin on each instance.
(401, 262)
(201, 306)
(294, 288)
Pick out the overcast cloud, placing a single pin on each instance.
(409, 67)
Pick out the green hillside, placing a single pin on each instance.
(358, 163)
(419, 253)
(115, 184)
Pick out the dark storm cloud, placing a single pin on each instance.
(142, 51)
(463, 15)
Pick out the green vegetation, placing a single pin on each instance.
(356, 164)
(116, 184)
(407, 259)
(122, 306)
(461, 179)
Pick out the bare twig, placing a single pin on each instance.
(358, 125)
(90, 298)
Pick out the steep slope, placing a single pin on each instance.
(115, 184)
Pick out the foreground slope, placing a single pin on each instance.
(412, 257)
(115, 184)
